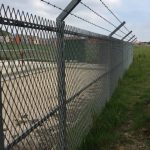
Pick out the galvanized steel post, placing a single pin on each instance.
(109, 69)
(61, 74)
(126, 35)
(134, 40)
(118, 28)
(1, 118)
(61, 86)
(131, 38)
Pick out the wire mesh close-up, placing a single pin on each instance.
(54, 78)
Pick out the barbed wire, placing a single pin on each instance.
(55, 6)
(113, 14)
(85, 5)
(110, 11)
(75, 16)
(89, 22)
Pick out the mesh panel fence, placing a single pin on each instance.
(54, 79)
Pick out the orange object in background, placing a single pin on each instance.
(18, 39)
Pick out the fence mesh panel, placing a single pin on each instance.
(54, 80)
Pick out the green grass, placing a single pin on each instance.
(129, 103)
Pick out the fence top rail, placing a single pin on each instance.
(11, 17)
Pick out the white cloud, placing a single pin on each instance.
(135, 14)
(114, 3)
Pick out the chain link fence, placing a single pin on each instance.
(49, 95)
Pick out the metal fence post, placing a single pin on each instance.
(109, 68)
(1, 118)
(126, 35)
(61, 74)
(61, 86)
(122, 61)
(131, 38)
(112, 33)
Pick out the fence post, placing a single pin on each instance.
(131, 38)
(134, 40)
(61, 86)
(1, 118)
(122, 61)
(126, 35)
(109, 68)
(118, 28)
(62, 145)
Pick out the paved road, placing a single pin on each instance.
(30, 91)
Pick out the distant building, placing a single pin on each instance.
(36, 40)
(2, 39)
(7, 39)
(143, 43)
(17, 39)
(83, 49)
(26, 39)
(5, 36)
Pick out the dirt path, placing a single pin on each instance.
(132, 140)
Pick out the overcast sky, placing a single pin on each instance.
(135, 12)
